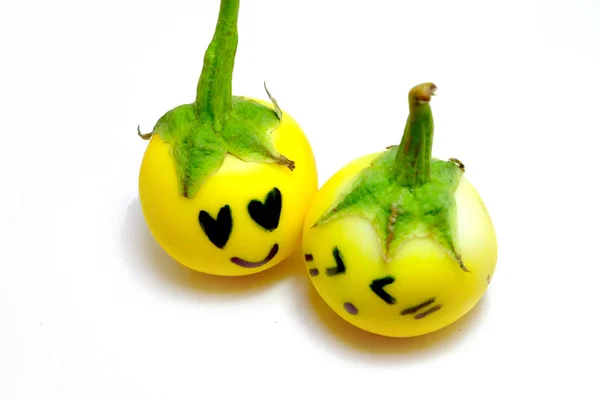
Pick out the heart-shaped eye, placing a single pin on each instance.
(218, 230)
(267, 214)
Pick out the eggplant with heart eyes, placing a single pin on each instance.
(225, 181)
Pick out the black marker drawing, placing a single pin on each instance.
(267, 214)
(219, 230)
(377, 286)
(340, 267)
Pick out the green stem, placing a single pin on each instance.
(213, 94)
(413, 158)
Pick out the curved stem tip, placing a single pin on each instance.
(413, 158)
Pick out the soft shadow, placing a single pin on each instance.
(343, 336)
(153, 265)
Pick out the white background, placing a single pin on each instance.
(91, 308)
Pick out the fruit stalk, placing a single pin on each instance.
(413, 159)
(214, 90)
(201, 134)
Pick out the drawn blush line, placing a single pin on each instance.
(414, 309)
(427, 312)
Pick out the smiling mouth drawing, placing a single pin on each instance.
(250, 264)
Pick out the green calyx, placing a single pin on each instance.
(218, 123)
(405, 193)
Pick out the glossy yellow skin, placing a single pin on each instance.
(421, 268)
(173, 219)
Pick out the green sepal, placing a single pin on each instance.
(199, 151)
(399, 212)
(248, 133)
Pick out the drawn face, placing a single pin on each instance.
(399, 298)
(266, 214)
